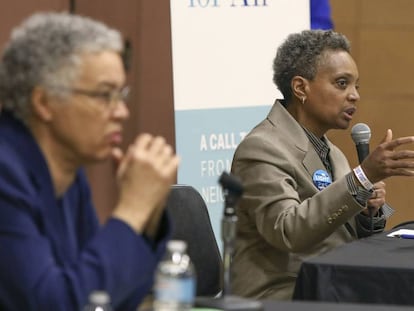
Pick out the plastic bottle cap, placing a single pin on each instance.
(99, 297)
(177, 245)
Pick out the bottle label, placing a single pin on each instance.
(179, 290)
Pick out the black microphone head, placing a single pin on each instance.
(231, 183)
(361, 133)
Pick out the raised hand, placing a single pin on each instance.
(387, 160)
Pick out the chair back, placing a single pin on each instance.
(191, 223)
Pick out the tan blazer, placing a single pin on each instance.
(283, 217)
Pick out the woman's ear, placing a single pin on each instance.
(40, 101)
(298, 86)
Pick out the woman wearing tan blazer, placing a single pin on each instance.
(301, 197)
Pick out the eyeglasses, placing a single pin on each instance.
(110, 98)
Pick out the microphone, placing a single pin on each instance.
(231, 183)
(361, 134)
(232, 191)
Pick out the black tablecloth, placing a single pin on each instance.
(378, 269)
(321, 306)
(271, 305)
(242, 304)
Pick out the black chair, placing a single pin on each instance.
(191, 223)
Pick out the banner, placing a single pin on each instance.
(222, 74)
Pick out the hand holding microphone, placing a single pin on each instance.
(385, 161)
(361, 134)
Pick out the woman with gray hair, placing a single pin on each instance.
(62, 87)
(301, 197)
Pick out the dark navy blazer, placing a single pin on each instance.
(53, 251)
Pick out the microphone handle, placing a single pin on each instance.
(363, 151)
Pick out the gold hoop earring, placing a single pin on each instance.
(303, 100)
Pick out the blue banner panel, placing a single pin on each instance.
(208, 139)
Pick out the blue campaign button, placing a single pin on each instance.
(321, 179)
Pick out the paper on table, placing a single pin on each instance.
(401, 232)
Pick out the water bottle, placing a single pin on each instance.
(98, 301)
(175, 280)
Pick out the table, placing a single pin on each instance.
(272, 305)
(377, 269)
(326, 306)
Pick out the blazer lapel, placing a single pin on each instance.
(339, 167)
(280, 117)
(312, 162)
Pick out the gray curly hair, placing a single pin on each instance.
(300, 54)
(45, 51)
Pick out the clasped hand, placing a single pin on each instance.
(145, 174)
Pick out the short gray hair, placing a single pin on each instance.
(299, 55)
(45, 51)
